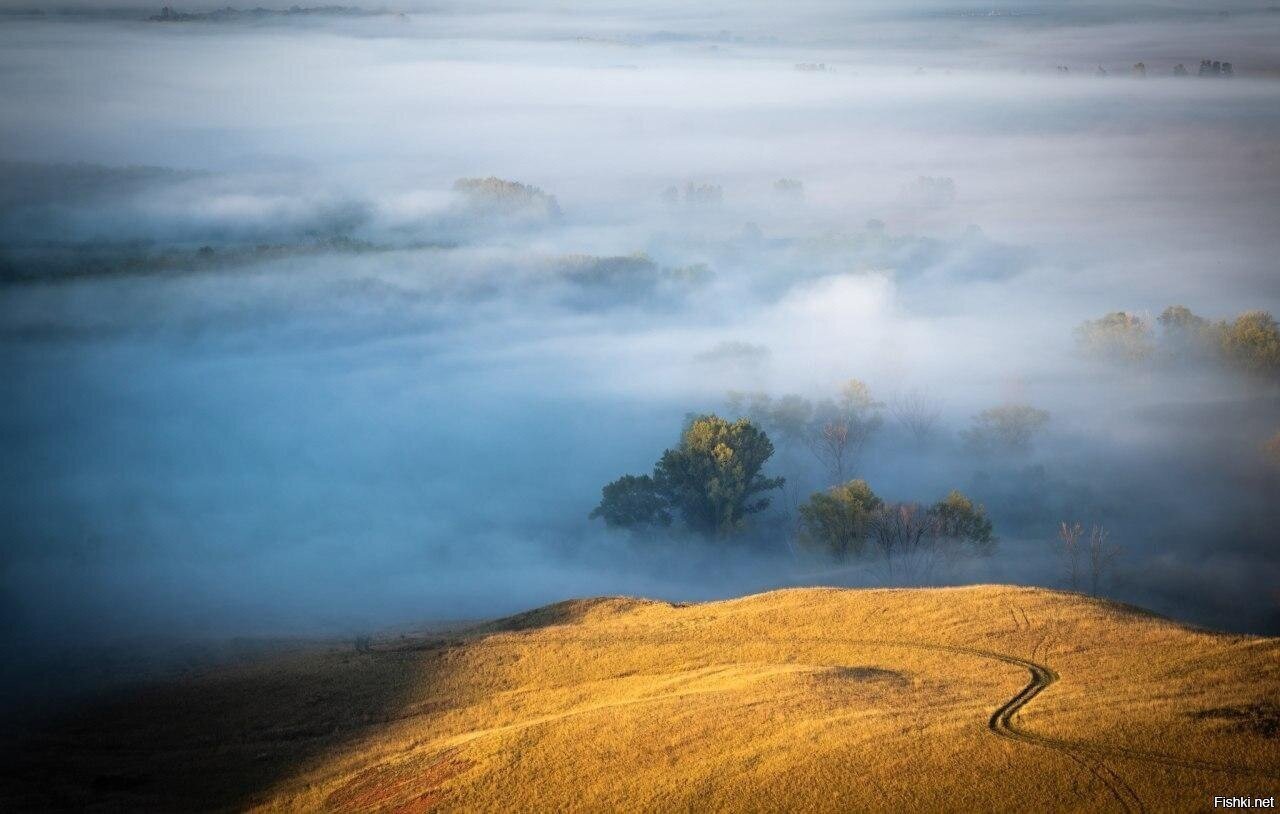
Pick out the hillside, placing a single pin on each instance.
(974, 698)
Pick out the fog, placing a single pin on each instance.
(268, 372)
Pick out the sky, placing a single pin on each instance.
(268, 372)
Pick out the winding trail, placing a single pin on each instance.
(1089, 755)
(1001, 723)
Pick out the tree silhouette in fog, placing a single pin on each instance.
(712, 480)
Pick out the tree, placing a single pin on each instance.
(906, 540)
(1177, 318)
(787, 418)
(703, 194)
(1009, 428)
(712, 480)
(959, 521)
(838, 521)
(789, 186)
(1186, 336)
(1074, 547)
(1118, 337)
(900, 534)
(1102, 557)
(840, 429)
(496, 196)
(1252, 342)
(912, 540)
(713, 477)
(917, 412)
(753, 405)
(632, 502)
(1068, 543)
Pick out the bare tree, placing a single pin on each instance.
(1069, 551)
(912, 540)
(918, 413)
(839, 430)
(1074, 546)
(1102, 557)
(830, 441)
(901, 537)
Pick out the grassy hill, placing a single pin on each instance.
(974, 698)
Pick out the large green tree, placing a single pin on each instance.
(632, 502)
(713, 479)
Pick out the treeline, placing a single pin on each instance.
(502, 197)
(713, 481)
(66, 263)
(628, 278)
(1208, 67)
(170, 15)
(1250, 342)
(907, 540)
(836, 431)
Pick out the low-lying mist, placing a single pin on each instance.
(323, 324)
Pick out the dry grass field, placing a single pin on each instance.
(962, 699)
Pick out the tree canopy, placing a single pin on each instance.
(1008, 428)
(1250, 342)
(838, 520)
(632, 501)
(712, 480)
(958, 519)
(833, 430)
(1117, 336)
(906, 539)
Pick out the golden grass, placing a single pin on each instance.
(814, 699)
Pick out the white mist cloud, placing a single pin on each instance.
(372, 400)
